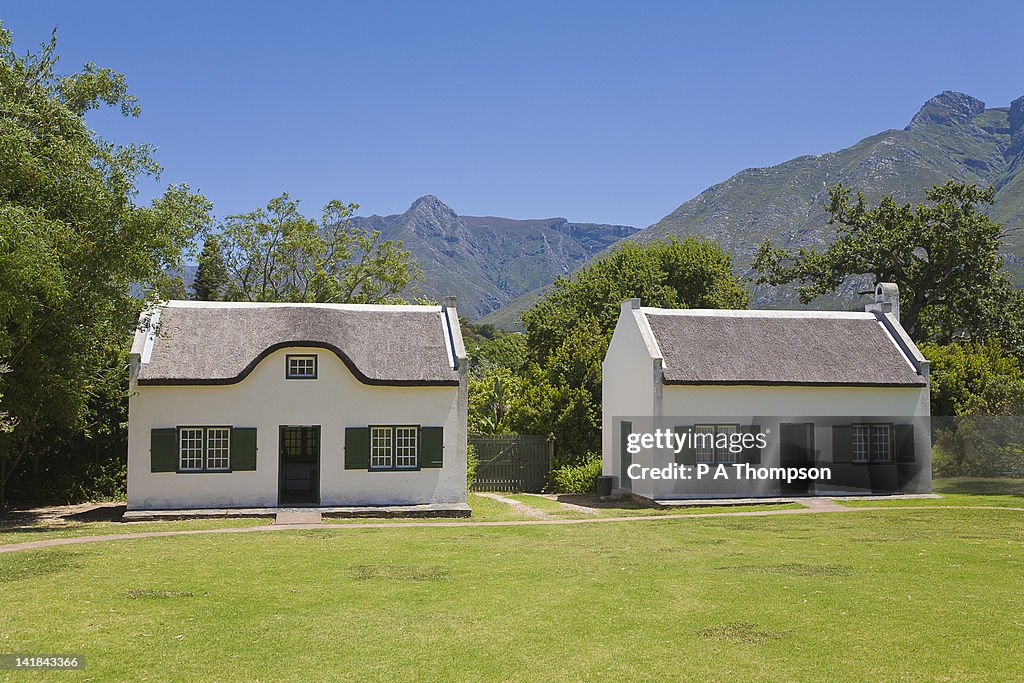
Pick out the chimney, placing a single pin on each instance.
(887, 299)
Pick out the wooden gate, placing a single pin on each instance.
(512, 462)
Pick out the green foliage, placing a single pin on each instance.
(472, 460)
(581, 478)
(974, 378)
(212, 278)
(569, 329)
(73, 245)
(278, 254)
(944, 255)
(977, 392)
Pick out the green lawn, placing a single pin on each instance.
(23, 533)
(628, 508)
(961, 492)
(888, 595)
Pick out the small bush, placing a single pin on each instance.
(577, 478)
(471, 462)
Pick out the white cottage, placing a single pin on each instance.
(843, 393)
(262, 405)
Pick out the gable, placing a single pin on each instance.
(221, 344)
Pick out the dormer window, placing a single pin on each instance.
(300, 366)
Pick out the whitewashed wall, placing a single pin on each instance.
(266, 400)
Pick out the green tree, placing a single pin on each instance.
(74, 245)
(974, 378)
(278, 254)
(212, 278)
(568, 330)
(943, 254)
(977, 392)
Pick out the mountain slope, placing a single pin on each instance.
(952, 136)
(487, 261)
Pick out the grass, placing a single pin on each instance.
(24, 533)
(877, 595)
(958, 492)
(627, 508)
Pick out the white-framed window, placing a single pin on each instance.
(861, 443)
(704, 440)
(406, 446)
(190, 449)
(300, 366)
(218, 448)
(881, 443)
(723, 453)
(380, 447)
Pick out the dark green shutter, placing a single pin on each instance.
(752, 454)
(243, 449)
(432, 447)
(904, 443)
(357, 448)
(163, 450)
(688, 455)
(842, 444)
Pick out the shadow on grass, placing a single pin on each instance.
(592, 500)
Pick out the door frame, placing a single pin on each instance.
(280, 465)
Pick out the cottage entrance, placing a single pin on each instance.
(299, 469)
(796, 449)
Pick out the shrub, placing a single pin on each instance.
(580, 478)
(471, 463)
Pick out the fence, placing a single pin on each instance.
(512, 462)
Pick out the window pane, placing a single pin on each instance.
(405, 446)
(705, 442)
(190, 448)
(380, 447)
(301, 366)
(724, 455)
(860, 443)
(218, 448)
(881, 444)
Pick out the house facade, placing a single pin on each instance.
(844, 394)
(259, 405)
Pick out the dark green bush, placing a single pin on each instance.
(580, 478)
(471, 463)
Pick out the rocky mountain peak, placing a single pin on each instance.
(949, 107)
(429, 205)
(1016, 115)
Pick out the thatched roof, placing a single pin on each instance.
(779, 348)
(220, 343)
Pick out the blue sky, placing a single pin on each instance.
(597, 111)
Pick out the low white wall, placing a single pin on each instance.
(266, 400)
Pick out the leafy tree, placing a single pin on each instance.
(212, 278)
(278, 254)
(568, 330)
(944, 255)
(977, 394)
(974, 378)
(74, 245)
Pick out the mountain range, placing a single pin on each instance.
(498, 266)
(487, 261)
(953, 136)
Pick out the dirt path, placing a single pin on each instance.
(521, 508)
(820, 509)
